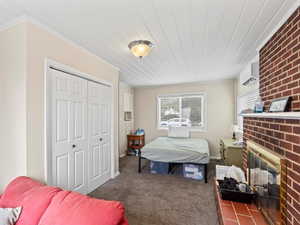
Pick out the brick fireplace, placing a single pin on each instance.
(281, 136)
(280, 77)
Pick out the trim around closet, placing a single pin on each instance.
(51, 64)
(77, 75)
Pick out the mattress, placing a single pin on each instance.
(177, 150)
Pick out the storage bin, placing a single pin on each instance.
(159, 167)
(236, 195)
(193, 171)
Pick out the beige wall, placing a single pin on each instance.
(41, 45)
(25, 48)
(220, 109)
(12, 104)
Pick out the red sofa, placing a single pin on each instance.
(45, 205)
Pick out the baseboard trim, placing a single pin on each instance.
(123, 155)
(116, 174)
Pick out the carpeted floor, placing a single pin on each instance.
(152, 199)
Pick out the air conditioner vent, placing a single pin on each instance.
(250, 74)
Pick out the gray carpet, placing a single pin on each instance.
(152, 199)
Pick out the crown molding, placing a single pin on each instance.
(277, 27)
(28, 19)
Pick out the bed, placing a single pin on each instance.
(177, 150)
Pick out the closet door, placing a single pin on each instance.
(99, 133)
(69, 132)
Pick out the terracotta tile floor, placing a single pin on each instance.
(235, 213)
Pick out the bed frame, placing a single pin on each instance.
(140, 165)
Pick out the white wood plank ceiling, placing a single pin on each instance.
(195, 40)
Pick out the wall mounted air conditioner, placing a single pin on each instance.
(250, 74)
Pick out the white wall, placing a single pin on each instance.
(12, 104)
(124, 126)
(220, 109)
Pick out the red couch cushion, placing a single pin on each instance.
(71, 208)
(33, 196)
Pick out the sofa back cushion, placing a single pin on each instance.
(71, 208)
(32, 196)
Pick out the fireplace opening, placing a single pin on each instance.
(266, 175)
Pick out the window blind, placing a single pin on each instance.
(245, 102)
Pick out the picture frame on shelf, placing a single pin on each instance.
(279, 104)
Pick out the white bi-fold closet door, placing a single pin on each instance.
(81, 132)
(99, 132)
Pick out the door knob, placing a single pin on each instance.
(73, 146)
(100, 139)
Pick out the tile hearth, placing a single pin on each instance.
(235, 213)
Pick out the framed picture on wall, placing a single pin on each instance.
(127, 116)
(279, 105)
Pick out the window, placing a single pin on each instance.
(245, 102)
(181, 110)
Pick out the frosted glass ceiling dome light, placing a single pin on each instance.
(140, 48)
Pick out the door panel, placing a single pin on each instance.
(106, 137)
(96, 156)
(62, 120)
(62, 163)
(94, 117)
(62, 84)
(79, 120)
(69, 132)
(106, 153)
(81, 132)
(79, 168)
(99, 102)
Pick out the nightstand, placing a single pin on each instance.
(136, 143)
(231, 154)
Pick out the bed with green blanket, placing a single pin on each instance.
(177, 150)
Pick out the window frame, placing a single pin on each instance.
(203, 95)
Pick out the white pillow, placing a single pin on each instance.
(9, 216)
(179, 132)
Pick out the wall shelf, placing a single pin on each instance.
(275, 115)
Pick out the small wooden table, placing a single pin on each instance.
(136, 142)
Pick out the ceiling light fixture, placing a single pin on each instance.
(140, 48)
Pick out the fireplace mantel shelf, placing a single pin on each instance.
(279, 115)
